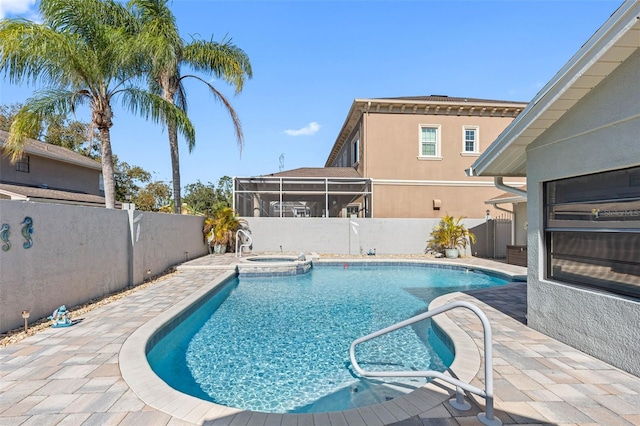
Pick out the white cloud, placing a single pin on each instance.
(15, 7)
(309, 129)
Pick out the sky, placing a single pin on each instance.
(311, 59)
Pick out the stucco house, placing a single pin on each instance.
(393, 158)
(415, 151)
(578, 144)
(51, 174)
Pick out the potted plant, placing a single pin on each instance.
(450, 235)
(220, 229)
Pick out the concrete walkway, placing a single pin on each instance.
(71, 376)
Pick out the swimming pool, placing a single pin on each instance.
(227, 349)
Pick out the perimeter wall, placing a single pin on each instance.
(344, 235)
(79, 253)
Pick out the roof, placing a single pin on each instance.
(508, 197)
(30, 193)
(610, 46)
(318, 172)
(432, 105)
(445, 99)
(54, 152)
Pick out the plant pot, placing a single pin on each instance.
(219, 248)
(451, 253)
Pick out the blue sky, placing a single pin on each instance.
(311, 59)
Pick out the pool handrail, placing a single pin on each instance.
(486, 418)
(247, 244)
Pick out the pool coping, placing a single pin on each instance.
(156, 393)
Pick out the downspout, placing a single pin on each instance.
(498, 182)
(364, 142)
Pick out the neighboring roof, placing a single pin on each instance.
(609, 47)
(445, 99)
(54, 152)
(318, 172)
(433, 105)
(508, 197)
(30, 193)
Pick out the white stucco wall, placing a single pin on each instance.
(343, 235)
(602, 132)
(80, 253)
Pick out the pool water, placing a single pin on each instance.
(281, 344)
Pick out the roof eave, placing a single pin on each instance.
(96, 166)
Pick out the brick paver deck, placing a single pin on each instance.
(71, 376)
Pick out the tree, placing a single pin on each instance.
(208, 199)
(168, 53)
(57, 130)
(128, 179)
(200, 197)
(153, 196)
(85, 52)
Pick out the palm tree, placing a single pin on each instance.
(82, 53)
(169, 53)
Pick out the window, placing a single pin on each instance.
(22, 165)
(470, 140)
(591, 231)
(429, 141)
(356, 151)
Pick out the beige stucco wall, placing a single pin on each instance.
(405, 185)
(416, 200)
(393, 145)
(53, 174)
(79, 253)
(600, 133)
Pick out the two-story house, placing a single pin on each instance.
(51, 174)
(393, 158)
(415, 151)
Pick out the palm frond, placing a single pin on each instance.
(152, 106)
(232, 113)
(158, 37)
(28, 121)
(223, 60)
(27, 50)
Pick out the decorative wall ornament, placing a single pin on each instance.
(4, 236)
(27, 230)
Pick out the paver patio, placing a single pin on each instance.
(71, 376)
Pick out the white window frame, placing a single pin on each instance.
(438, 155)
(476, 145)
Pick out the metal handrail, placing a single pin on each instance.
(486, 418)
(247, 244)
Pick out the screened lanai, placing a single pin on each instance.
(306, 192)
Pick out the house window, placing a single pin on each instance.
(429, 141)
(22, 165)
(591, 231)
(470, 143)
(356, 151)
